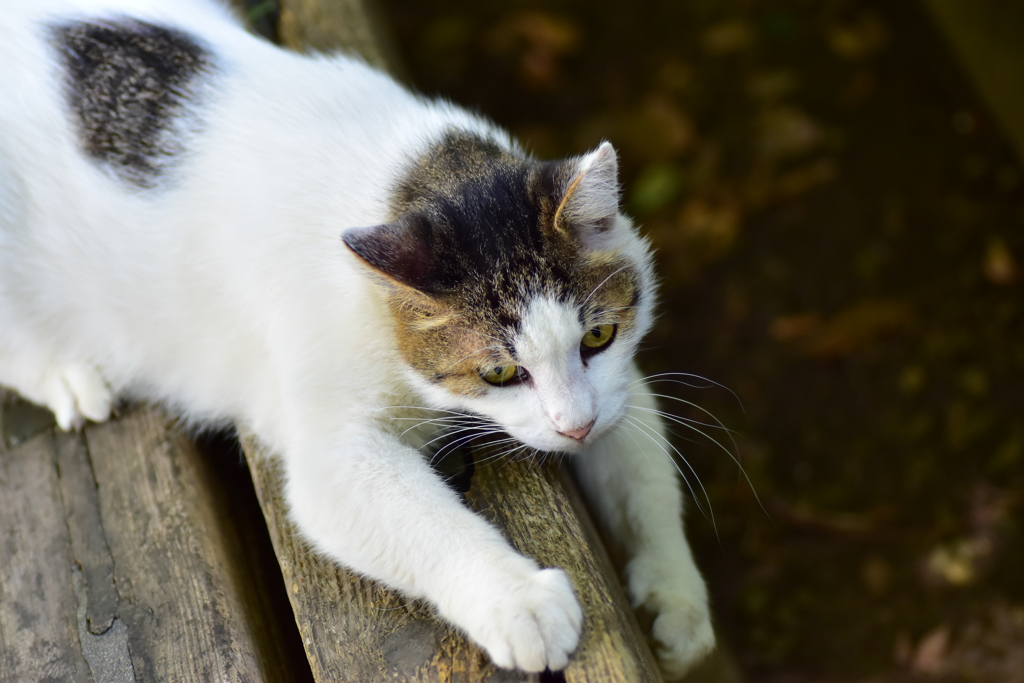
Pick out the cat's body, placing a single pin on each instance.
(173, 194)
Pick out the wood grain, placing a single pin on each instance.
(38, 607)
(120, 563)
(349, 25)
(356, 630)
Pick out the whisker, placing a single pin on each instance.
(706, 412)
(471, 431)
(599, 286)
(669, 377)
(500, 341)
(480, 350)
(674, 418)
(732, 456)
(423, 408)
(441, 423)
(654, 437)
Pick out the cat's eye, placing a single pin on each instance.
(598, 336)
(501, 374)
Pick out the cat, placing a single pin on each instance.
(192, 216)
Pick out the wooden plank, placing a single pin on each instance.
(325, 26)
(119, 561)
(180, 576)
(352, 628)
(355, 630)
(38, 606)
(541, 512)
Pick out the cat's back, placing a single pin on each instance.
(123, 90)
(72, 70)
(32, 31)
(38, 15)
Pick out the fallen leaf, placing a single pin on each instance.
(999, 266)
(540, 40)
(851, 330)
(929, 658)
(785, 131)
(953, 563)
(713, 225)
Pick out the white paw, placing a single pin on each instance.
(76, 392)
(684, 634)
(676, 594)
(532, 625)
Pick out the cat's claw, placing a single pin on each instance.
(75, 393)
(534, 625)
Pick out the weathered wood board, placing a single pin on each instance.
(355, 630)
(119, 561)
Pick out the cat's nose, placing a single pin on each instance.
(578, 434)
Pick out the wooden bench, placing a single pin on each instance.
(131, 552)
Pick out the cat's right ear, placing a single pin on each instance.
(588, 195)
(399, 251)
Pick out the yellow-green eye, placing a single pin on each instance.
(598, 336)
(501, 374)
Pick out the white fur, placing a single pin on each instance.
(228, 296)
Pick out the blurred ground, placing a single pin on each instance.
(839, 227)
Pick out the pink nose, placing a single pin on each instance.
(578, 434)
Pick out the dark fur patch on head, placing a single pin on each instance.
(492, 246)
(127, 82)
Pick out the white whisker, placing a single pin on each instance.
(670, 377)
(599, 286)
(654, 437)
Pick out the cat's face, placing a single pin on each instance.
(518, 292)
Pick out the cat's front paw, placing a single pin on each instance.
(676, 594)
(533, 624)
(684, 635)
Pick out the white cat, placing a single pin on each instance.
(193, 216)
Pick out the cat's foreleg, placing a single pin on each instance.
(631, 484)
(375, 505)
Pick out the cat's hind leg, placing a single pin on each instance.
(74, 391)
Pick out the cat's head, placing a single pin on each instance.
(519, 291)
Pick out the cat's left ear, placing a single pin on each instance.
(589, 195)
(400, 251)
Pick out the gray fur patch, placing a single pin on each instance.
(128, 85)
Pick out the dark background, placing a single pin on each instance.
(838, 219)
